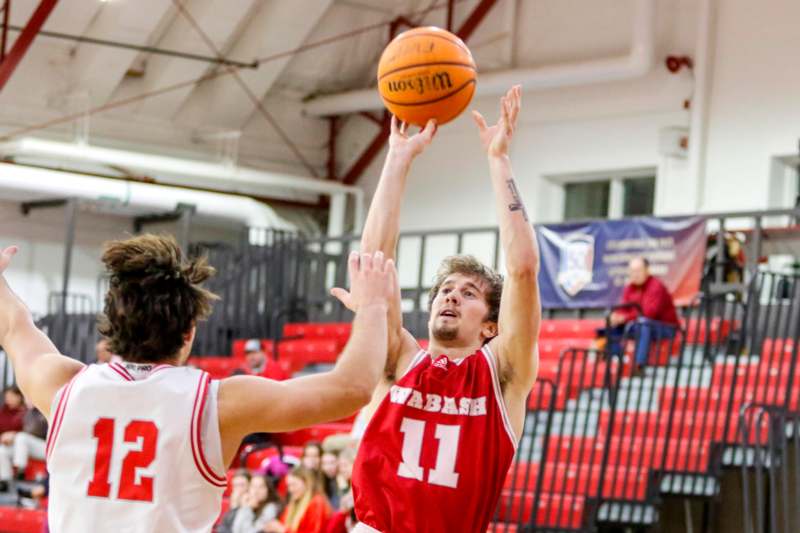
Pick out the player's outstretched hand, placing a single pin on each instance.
(373, 280)
(5, 257)
(410, 145)
(497, 138)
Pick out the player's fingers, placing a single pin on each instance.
(342, 295)
(393, 125)
(479, 120)
(377, 261)
(430, 129)
(403, 127)
(353, 264)
(366, 262)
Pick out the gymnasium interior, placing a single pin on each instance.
(253, 131)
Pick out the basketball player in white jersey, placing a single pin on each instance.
(142, 445)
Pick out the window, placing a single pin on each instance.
(639, 195)
(586, 200)
(613, 197)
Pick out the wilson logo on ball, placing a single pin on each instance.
(422, 84)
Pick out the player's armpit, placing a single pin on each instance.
(518, 326)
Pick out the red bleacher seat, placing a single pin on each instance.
(697, 330)
(753, 374)
(325, 330)
(576, 373)
(682, 454)
(715, 399)
(618, 481)
(777, 350)
(35, 470)
(14, 520)
(554, 510)
(217, 367)
(572, 328)
(553, 348)
(297, 353)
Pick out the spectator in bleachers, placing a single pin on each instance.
(646, 313)
(344, 518)
(26, 444)
(12, 413)
(329, 465)
(259, 506)
(312, 455)
(308, 510)
(258, 364)
(240, 483)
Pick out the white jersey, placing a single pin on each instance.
(135, 448)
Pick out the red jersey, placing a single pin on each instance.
(437, 450)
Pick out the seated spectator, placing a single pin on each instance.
(240, 483)
(308, 510)
(104, 355)
(344, 519)
(25, 444)
(647, 295)
(258, 364)
(258, 507)
(12, 413)
(329, 465)
(312, 455)
(32, 497)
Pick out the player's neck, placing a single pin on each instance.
(452, 349)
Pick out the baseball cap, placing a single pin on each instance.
(252, 345)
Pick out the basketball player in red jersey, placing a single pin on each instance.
(436, 451)
(143, 445)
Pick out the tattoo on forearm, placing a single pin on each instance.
(517, 204)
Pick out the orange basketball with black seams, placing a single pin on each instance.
(426, 73)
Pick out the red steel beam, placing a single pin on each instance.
(475, 18)
(23, 42)
(369, 153)
(374, 148)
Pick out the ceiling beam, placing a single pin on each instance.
(23, 42)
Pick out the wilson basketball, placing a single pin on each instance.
(426, 73)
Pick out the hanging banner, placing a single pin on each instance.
(585, 264)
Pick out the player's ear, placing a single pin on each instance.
(489, 330)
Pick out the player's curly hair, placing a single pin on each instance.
(470, 266)
(154, 298)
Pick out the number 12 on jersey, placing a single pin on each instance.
(443, 473)
(129, 489)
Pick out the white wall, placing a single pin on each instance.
(753, 117)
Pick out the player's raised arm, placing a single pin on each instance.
(39, 368)
(382, 226)
(249, 404)
(520, 310)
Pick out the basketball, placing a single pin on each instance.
(426, 73)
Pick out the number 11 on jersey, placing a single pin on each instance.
(443, 473)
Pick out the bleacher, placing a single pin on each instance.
(601, 445)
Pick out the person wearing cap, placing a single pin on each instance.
(258, 364)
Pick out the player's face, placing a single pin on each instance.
(295, 486)
(459, 310)
(330, 464)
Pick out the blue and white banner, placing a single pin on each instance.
(585, 264)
